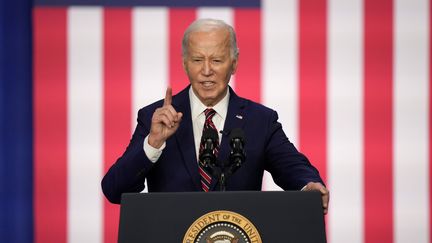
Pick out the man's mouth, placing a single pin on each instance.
(207, 84)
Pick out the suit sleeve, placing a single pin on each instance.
(289, 168)
(128, 173)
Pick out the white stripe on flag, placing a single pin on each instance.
(150, 57)
(280, 62)
(345, 120)
(85, 124)
(280, 67)
(411, 209)
(225, 14)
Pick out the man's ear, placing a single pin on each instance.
(234, 66)
(184, 64)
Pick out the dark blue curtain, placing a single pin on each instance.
(16, 134)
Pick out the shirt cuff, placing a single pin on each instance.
(152, 153)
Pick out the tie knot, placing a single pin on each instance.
(209, 113)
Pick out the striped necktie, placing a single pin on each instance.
(205, 175)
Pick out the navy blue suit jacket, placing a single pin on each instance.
(267, 148)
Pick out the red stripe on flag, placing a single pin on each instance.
(50, 125)
(179, 20)
(378, 64)
(117, 99)
(313, 97)
(248, 75)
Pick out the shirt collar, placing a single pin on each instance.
(197, 107)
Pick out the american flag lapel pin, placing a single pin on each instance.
(239, 117)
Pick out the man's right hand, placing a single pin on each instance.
(165, 122)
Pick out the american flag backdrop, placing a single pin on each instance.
(350, 79)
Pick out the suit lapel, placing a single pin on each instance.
(185, 137)
(235, 119)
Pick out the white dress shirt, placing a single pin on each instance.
(198, 119)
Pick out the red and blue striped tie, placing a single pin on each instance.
(208, 124)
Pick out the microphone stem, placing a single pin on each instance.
(222, 181)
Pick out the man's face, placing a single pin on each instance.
(209, 64)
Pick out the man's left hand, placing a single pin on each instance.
(325, 194)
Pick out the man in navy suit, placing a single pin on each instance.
(165, 146)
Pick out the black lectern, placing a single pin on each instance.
(253, 217)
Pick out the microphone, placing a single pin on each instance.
(209, 139)
(224, 133)
(237, 154)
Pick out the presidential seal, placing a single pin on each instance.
(222, 227)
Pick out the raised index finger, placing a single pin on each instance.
(168, 97)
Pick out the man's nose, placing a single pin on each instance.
(207, 68)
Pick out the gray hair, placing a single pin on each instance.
(207, 25)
